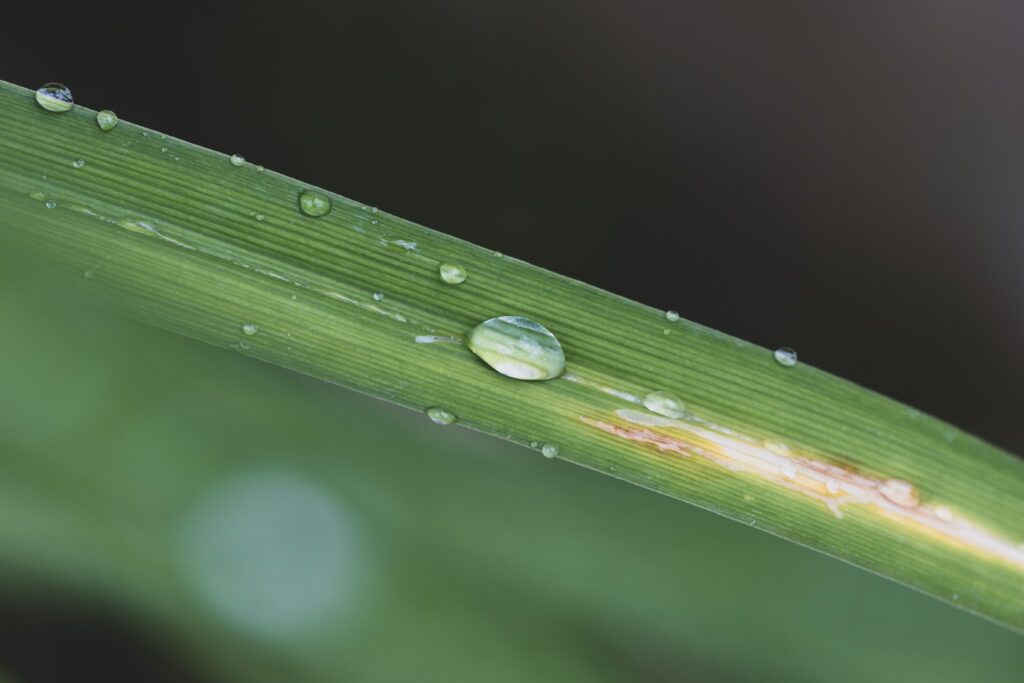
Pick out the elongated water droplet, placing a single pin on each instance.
(55, 97)
(452, 273)
(672, 316)
(441, 416)
(237, 160)
(36, 194)
(250, 329)
(314, 204)
(664, 403)
(517, 347)
(106, 120)
(785, 357)
(549, 450)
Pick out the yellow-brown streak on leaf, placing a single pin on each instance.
(830, 484)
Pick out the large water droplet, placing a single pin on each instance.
(55, 97)
(314, 204)
(672, 316)
(237, 160)
(250, 329)
(664, 403)
(106, 120)
(441, 416)
(517, 347)
(452, 273)
(785, 357)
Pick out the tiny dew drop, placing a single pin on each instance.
(237, 160)
(88, 274)
(549, 450)
(78, 163)
(452, 273)
(441, 416)
(377, 296)
(55, 97)
(50, 204)
(36, 194)
(785, 357)
(250, 329)
(517, 347)
(664, 403)
(672, 316)
(314, 204)
(106, 120)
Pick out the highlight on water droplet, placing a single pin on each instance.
(440, 416)
(237, 160)
(314, 204)
(55, 97)
(517, 347)
(665, 404)
(78, 163)
(106, 120)
(452, 273)
(672, 316)
(549, 450)
(250, 329)
(785, 357)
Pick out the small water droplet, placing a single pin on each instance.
(517, 347)
(441, 416)
(314, 204)
(671, 316)
(145, 133)
(250, 329)
(666, 331)
(498, 254)
(785, 357)
(78, 163)
(50, 204)
(549, 450)
(55, 97)
(260, 169)
(237, 160)
(243, 346)
(452, 273)
(664, 403)
(377, 296)
(163, 149)
(88, 274)
(106, 120)
(36, 194)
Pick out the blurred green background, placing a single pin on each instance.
(844, 179)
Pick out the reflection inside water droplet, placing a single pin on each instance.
(106, 120)
(452, 273)
(518, 347)
(55, 97)
(785, 357)
(440, 416)
(314, 204)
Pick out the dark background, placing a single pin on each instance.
(844, 178)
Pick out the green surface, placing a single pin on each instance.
(171, 233)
